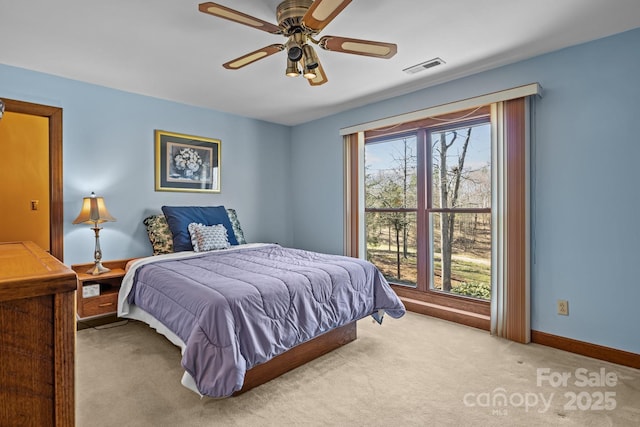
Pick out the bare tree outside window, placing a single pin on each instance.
(458, 209)
(461, 189)
(390, 182)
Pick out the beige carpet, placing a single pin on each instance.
(415, 371)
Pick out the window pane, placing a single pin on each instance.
(390, 173)
(461, 167)
(464, 267)
(391, 245)
(391, 183)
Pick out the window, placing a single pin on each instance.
(459, 210)
(419, 183)
(508, 114)
(391, 206)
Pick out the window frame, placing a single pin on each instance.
(422, 130)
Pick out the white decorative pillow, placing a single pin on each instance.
(208, 237)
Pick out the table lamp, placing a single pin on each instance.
(95, 212)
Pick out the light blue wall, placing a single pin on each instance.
(585, 182)
(108, 147)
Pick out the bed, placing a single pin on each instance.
(243, 313)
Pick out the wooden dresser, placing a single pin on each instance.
(37, 337)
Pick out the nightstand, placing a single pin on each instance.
(107, 286)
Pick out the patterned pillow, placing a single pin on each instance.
(208, 237)
(237, 230)
(162, 240)
(159, 234)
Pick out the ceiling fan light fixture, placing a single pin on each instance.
(309, 73)
(294, 49)
(310, 57)
(292, 69)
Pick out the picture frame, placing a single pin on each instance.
(187, 162)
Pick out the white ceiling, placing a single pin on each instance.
(170, 50)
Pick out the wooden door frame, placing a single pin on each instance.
(56, 213)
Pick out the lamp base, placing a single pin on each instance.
(97, 269)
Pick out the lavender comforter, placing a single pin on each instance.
(235, 309)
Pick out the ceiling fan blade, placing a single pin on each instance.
(253, 56)
(239, 17)
(358, 47)
(321, 12)
(320, 78)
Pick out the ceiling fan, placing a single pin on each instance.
(300, 21)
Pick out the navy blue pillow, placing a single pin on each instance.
(179, 218)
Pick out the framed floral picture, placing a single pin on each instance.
(187, 162)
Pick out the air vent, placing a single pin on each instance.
(424, 66)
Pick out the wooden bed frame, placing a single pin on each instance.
(298, 356)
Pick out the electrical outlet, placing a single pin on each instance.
(563, 307)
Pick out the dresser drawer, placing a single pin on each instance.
(102, 304)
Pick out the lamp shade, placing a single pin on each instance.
(93, 211)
